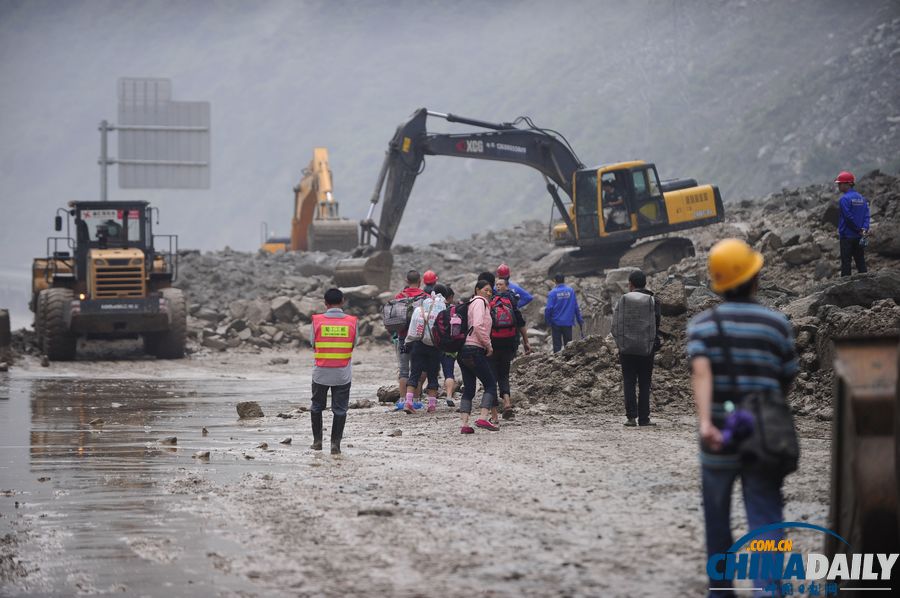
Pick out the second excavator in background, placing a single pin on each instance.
(316, 224)
(610, 207)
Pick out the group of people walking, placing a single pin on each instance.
(495, 329)
(741, 355)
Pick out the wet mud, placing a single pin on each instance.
(553, 504)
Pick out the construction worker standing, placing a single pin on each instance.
(333, 337)
(736, 350)
(853, 224)
(635, 327)
(561, 313)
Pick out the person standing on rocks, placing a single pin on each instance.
(635, 327)
(508, 327)
(333, 338)
(413, 282)
(853, 224)
(561, 313)
(474, 361)
(523, 297)
(736, 349)
(425, 358)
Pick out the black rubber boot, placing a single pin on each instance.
(337, 432)
(317, 431)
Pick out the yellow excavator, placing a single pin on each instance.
(316, 224)
(610, 207)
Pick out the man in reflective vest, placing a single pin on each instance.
(333, 337)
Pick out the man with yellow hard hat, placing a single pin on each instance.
(736, 349)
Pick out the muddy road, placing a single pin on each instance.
(547, 506)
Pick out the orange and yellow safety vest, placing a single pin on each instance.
(333, 340)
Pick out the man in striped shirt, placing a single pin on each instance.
(762, 358)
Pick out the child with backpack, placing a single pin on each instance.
(424, 356)
(507, 327)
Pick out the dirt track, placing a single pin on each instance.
(549, 505)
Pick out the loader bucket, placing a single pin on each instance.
(325, 235)
(375, 269)
(865, 448)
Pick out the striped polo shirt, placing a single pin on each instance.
(762, 353)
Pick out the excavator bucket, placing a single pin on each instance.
(374, 269)
(325, 235)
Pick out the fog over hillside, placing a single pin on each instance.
(751, 95)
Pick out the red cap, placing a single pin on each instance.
(845, 177)
(503, 271)
(429, 277)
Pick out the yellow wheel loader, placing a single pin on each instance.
(109, 280)
(610, 207)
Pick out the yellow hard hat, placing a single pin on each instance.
(732, 263)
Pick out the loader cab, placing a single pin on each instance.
(110, 225)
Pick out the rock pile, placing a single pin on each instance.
(796, 231)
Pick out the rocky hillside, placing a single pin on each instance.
(257, 301)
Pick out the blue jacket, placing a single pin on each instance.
(562, 307)
(854, 216)
(524, 296)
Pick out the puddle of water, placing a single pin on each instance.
(100, 503)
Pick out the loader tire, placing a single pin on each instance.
(58, 342)
(40, 315)
(170, 344)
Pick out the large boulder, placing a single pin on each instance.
(307, 306)
(672, 297)
(283, 309)
(365, 292)
(884, 239)
(862, 289)
(802, 254)
(258, 312)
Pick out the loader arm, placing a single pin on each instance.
(503, 142)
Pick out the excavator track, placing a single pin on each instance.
(657, 256)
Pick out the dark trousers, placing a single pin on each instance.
(637, 371)
(473, 363)
(424, 358)
(340, 398)
(501, 360)
(448, 364)
(763, 502)
(562, 336)
(851, 249)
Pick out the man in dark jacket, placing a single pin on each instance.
(636, 331)
(853, 224)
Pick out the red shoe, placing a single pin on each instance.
(483, 423)
(467, 430)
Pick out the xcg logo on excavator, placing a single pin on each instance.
(472, 146)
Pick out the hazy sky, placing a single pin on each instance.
(621, 80)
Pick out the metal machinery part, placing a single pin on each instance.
(865, 449)
(652, 207)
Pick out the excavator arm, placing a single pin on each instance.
(503, 142)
